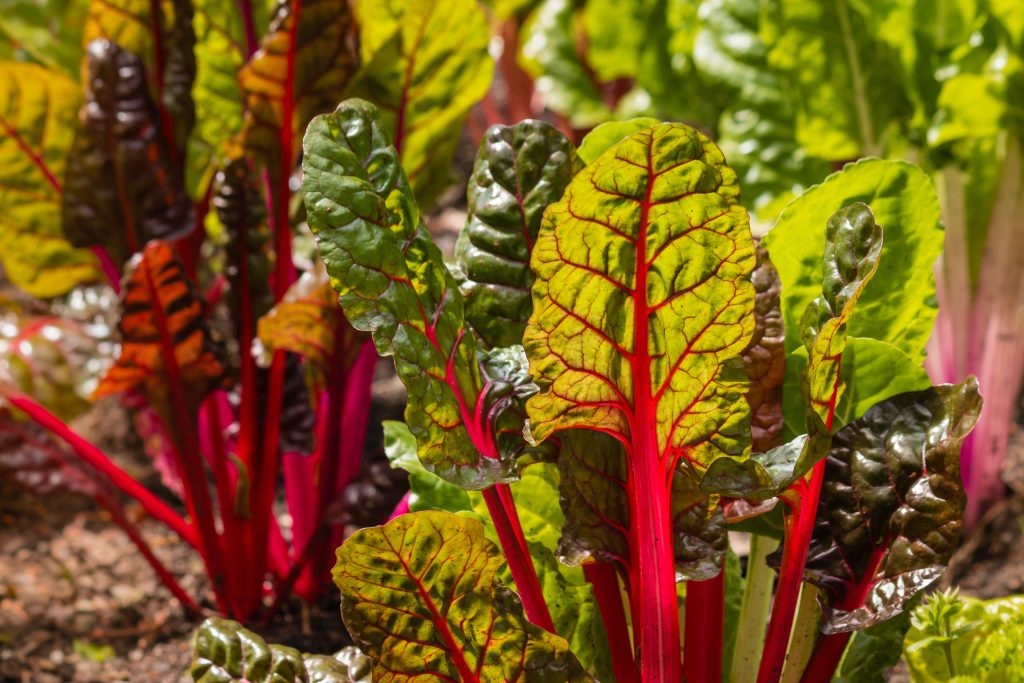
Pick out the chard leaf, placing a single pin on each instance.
(519, 171)
(608, 134)
(426, 65)
(764, 359)
(54, 43)
(304, 62)
(891, 510)
(224, 652)
(37, 117)
(900, 307)
(650, 237)
(846, 113)
(420, 597)
(852, 247)
(875, 650)
(392, 282)
(164, 336)
(549, 55)
(124, 183)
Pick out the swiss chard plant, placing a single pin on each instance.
(651, 387)
(164, 161)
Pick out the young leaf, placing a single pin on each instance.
(426, 65)
(224, 652)
(301, 69)
(37, 116)
(124, 186)
(419, 596)
(163, 332)
(764, 359)
(650, 237)
(852, 247)
(900, 307)
(891, 510)
(519, 171)
(392, 282)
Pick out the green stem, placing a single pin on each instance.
(804, 636)
(753, 619)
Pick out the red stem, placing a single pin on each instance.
(826, 657)
(226, 499)
(513, 543)
(96, 459)
(705, 628)
(251, 42)
(110, 268)
(605, 582)
(197, 497)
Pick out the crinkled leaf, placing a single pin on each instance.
(900, 307)
(610, 133)
(519, 171)
(845, 83)
(420, 597)
(550, 55)
(392, 282)
(163, 333)
(873, 651)
(764, 359)
(37, 118)
(891, 509)
(225, 652)
(31, 458)
(301, 69)
(124, 185)
(852, 247)
(426, 65)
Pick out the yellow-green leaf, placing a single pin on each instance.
(420, 597)
(37, 118)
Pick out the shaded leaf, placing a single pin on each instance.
(875, 650)
(519, 171)
(164, 337)
(124, 186)
(37, 117)
(764, 359)
(301, 69)
(426, 65)
(225, 652)
(419, 596)
(891, 509)
(392, 281)
(852, 247)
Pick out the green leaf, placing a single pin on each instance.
(900, 307)
(426, 65)
(891, 512)
(549, 55)
(852, 247)
(124, 184)
(846, 83)
(519, 171)
(420, 597)
(428, 491)
(301, 69)
(49, 31)
(225, 652)
(875, 650)
(37, 118)
(393, 282)
(610, 133)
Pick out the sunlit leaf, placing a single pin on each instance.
(426, 65)
(519, 171)
(419, 596)
(49, 31)
(37, 118)
(608, 134)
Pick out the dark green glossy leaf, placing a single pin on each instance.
(392, 282)
(37, 119)
(420, 597)
(891, 509)
(123, 184)
(225, 652)
(519, 171)
(873, 651)
(852, 247)
(425, 65)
